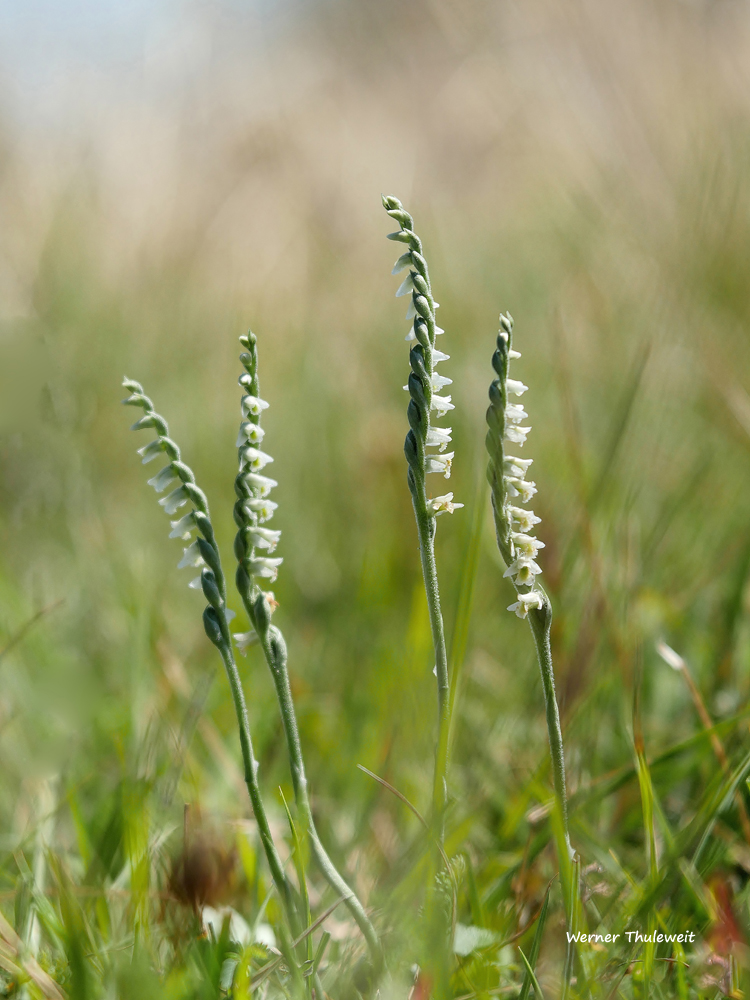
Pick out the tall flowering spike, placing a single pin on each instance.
(507, 477)
(201, 553)
(425, 450)
(425, 384)
(253, 544)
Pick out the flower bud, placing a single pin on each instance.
(211, 589)
(212, 625)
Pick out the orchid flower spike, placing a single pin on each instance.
(425, 384)
(507, 477)
(201, 552)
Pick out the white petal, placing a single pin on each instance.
(191, 556)
(264, 538)
(183, 527)
(268, 568)
(163, 478)
(439, 463)
(249, 432)
(442, 505)
(517, 388)
(441, 404)
(254, 405)
(149, 451)
(245, 639)
(516, 435)
(253, 458)
(403, 261)
(262, 483)
(438, 381)
(515, 412)
(439, 436)
(438, 356)
(406, 287)
(174, 500)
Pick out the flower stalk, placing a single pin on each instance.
(424, 386)
(204, 553)
(253, 567)
(513, 522)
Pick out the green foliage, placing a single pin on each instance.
(632, 321)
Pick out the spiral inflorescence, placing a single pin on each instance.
(425, 384)
(202, 552)
(507, 477)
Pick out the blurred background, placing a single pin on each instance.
(174, 173)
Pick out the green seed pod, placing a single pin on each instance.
(411, 451)
(210, 556)
(212, 626)
(262, 612)
(210, 589)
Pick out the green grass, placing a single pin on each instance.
(114, 712)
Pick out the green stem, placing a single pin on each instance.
(426, 532)
(540, 621)
(281, 882)
(274, 650)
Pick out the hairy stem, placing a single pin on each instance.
(274, 651)
(250, 765)
(426, 532)
(541, 622)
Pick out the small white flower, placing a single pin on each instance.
(254, 459)
(524, 570)
(515, 413)
(526, 601)
(149, 451)
(406, 287)
(527, 545)
(264, 567)
(441, 404)
(191, 556)
(522, 519)
(183, 527)
(439, 463)
(174, 500)
(517, 388)
(249, 432)
(516, 435)
(163, 478)
(254, 405)
(196, 584)
(513, 354)
(520, 488)
(411, 312)
(439, 436)
(411, 335)
(438, 356)
(442, 505)
(438, 381)
(263, 508)
(264, 538)
(438, 329)
(245, 640)
(403, 261)
(262, 483)
(516, 466)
